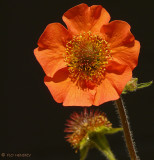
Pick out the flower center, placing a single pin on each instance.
(87, 56)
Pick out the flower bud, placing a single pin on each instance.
(133, 85)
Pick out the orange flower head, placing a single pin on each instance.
(90, 61)
(81, 124)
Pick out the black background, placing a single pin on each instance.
(32, 122)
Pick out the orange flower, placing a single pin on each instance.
(91, 61)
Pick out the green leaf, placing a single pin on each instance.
(144, 85)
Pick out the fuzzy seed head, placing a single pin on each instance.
(80, 124)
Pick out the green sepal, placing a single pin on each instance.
(124, 92)
(101, 143)
(144, 85)
(113, 130)
(84, 148)
(98, 140)
(107, 130)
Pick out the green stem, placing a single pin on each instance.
(126, 129)
(102, 144)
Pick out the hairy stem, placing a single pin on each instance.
(126, 129)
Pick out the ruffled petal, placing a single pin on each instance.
(51, 48)
(53, 37)
(127, 54)
(64, 90)
(117, 33)
(112, 86)
(50, 60)
(82, 18)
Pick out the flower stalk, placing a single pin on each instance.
(126, 129)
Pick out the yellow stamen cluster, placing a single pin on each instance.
(81, 124)
(87, 56)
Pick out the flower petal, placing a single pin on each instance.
(118, 75)
(105, 92)
(117, 33)
(82, 18)
(127, 54)
(64, 90)
(78, 97)
(53, 37)
(50, 60)
(112, 86)
(58, 85)
(51, 48)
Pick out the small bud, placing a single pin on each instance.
(133, 85)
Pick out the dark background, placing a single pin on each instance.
(32, 122)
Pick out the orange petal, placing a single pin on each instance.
(127, 54)
(78, 97)
(50, 60)
(117, 33)
(64, 90)
(82, 18)
(118, 75)
(53, 37)
(105, 92)
(112, 86)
